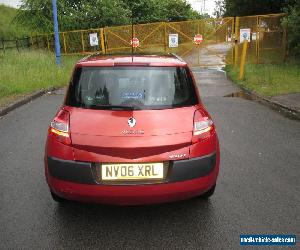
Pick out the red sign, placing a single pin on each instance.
(198, 39)
(135, 42)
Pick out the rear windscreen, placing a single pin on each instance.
(131, 88)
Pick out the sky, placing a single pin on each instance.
(196, 4)
(209, 5)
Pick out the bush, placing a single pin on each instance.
(292, 22)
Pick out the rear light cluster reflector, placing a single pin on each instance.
(203, 126)
(59, 127)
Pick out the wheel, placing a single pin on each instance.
(57, 198)
(208, 193)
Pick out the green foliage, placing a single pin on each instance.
(29, 71)
(86, 14)
(219, 10)
(73, 14)
(291, 7)
(268, 79)
(175, 10)
(251, 7)
(8, 28)
(141, 11)
(292, 22)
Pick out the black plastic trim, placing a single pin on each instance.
(73, 171)
(184, 170)
(84, 172)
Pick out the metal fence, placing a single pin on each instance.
(267, 39)
(17, 43)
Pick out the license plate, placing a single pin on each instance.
(133, 171)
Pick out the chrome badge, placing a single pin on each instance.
(177, 156)
(131, 122)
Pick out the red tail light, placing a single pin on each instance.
(59, 127)
(203, 126)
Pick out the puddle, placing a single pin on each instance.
(241, 94)
(285, 112)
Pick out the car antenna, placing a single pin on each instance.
(132, 36)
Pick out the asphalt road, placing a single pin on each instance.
(257, 191)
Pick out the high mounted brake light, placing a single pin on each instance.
(59, 127)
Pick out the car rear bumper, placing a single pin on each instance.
(78, 181)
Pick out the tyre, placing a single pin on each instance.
(208, 193)
(57, 198)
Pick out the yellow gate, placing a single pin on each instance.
(155, 37)
(217, 35)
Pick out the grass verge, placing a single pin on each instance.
(268, 79)
(26, 72)
(8, 28)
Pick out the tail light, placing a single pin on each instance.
(203, 126)
(59, 127)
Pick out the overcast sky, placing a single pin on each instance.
(196, 4)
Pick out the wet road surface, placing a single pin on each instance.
(257, 190)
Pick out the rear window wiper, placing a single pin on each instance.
(114, 107)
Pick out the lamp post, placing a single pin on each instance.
(56, 34)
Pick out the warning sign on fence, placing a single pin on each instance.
(173, 40)
(198, 39)
(94, 39)
(245, 35)
(135, 42)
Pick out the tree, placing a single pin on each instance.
(145, 11)
(252, 7)
(175, 10)
(72, 14)
(141, 10)
(219, 10)
(292, 22)
(86, 14)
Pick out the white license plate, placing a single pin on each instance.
(135, 171)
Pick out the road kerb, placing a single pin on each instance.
(24, 100)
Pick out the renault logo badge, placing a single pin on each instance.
(131, 122)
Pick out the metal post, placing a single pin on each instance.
(285, 43)
(198, 32)
(3, 45)
(82, 41)
(102, 41)
(257, 40)
(243, 60)
(48, 44)
(31, 41)
(65, 44)
(17, 44)
(56, 35)
(236, 47)
(165, 36)
(132, 34)
(232, 41)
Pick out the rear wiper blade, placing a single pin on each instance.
(114, 107)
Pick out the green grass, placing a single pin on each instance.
(8, 28)
(26, 72)
(269, 79)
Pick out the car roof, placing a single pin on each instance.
(163, 60)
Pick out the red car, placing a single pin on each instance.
(132, 130)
